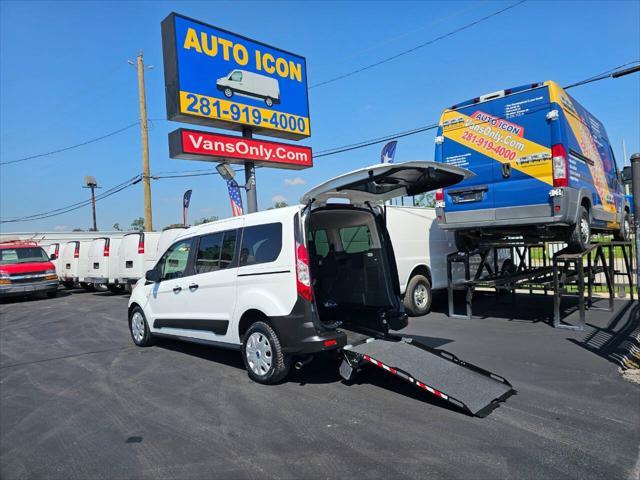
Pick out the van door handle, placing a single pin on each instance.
(193, 287)
(177, 289)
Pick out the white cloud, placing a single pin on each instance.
(292, 182)
(278, 199)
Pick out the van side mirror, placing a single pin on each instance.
(53, 256)
(627, 175)
(152, 275)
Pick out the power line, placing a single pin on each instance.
(75, 206)
(611, 73)
(87, 142)
(417, 47)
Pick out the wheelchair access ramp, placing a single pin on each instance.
(440, 373)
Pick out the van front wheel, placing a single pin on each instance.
(228, 92)
(269, 102)
(417, 298)
(262, 354)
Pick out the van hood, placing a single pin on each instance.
(385, 181)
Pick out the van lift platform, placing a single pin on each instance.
(470, 388)
(544, 266)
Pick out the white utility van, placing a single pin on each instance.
(103, 263)
(287, 282)
(250, 84)
(421, 250)
(53, 250)
(73, 263)
(139, 251)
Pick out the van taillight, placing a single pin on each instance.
(559, 159)
(57, 250)
(76, 251)
(440, 195)
(303, 274)
(141, 244)
(105, 252)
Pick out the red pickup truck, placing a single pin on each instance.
(25, 269)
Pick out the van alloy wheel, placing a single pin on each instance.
(269, 102)
(228, 92)
(421, 296)
(137, 327)
(259, 353)
(585, 230)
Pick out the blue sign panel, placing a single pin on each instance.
(217, 78)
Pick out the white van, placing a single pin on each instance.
(136, 254)
(73, 264)
(250, 84)
(421, 248)
(287, 282)
(103, 263)
(53, 250)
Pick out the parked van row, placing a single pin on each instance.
(114, 262)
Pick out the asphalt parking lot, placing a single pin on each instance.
(79, 400)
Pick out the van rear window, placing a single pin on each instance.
(355, 239)
(261, 244)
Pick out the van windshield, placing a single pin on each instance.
(236, 76)
(22, 255)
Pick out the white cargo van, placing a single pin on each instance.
(136, 254)
(73, 263)
(103, 263)
(250, 84)
(287, 282)
(421, 250)
(53, 250)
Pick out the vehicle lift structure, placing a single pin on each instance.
(532, 267)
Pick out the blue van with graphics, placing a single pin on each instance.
(543, 168)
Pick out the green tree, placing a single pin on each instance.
(78, 230)
(426, 200)
(116, 226)
(173, 225)
(280, 205)
(137, 224)
(205, 220)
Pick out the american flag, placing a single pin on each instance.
(235, 198)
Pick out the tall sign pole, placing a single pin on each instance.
(250, 178)
(148, 221)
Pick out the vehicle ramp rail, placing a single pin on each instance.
(440, 373)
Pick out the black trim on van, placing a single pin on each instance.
(262, 273)
(579, 156)
(219, 327)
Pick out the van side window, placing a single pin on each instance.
(236, 76)
(174, 262)
(228, 248)
(321, 243)
(209, 249)
(355, 239)
(261, 244)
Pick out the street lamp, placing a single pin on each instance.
(90, 182)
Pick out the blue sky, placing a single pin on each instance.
(64, 78)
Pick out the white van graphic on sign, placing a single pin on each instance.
(250, 84)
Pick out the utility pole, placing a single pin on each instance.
(148, 222)
(250, 178)
(90, 182)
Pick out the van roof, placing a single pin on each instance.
(500, 93)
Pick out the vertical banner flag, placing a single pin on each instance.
(186, 199)
(235, 198)
(388, 152)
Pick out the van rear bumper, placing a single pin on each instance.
(299, 335)
(561, 211)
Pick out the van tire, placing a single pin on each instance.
(624, 234)
(280, 363)
(418, 296)
(89, 287)
(268, 101)
(115, 288)
(228, 92)
(68, 285)
(146, 339)
(580, 235)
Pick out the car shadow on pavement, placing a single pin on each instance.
(618, 341)
(225, 356)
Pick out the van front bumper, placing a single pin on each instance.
(299, 335)
(561, 210)
(28, 288)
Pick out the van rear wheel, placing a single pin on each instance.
(418, 296)
(580, 235)
(262, 354)
(464, 243)
(269, 102)
(624, 234)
